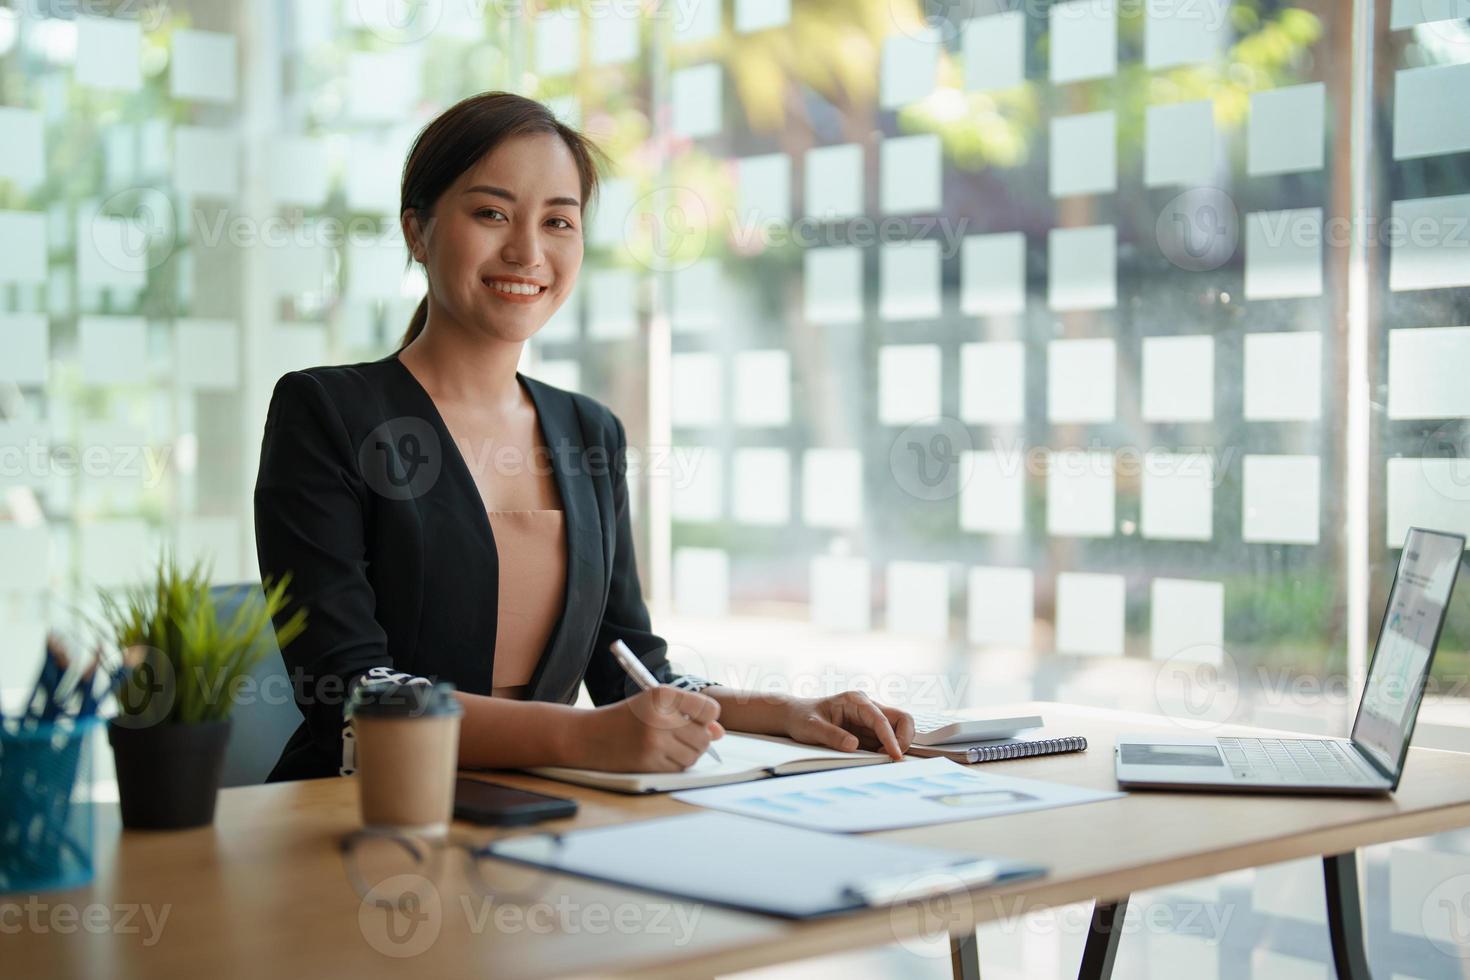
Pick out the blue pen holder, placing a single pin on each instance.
(46, 836)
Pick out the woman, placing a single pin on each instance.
(412, 502)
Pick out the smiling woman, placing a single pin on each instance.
(445, 518)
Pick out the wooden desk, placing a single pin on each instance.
(263, 892)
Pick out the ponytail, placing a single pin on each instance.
(416, 325)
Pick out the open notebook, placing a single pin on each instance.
(746, 757)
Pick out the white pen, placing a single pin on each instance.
(643, 677)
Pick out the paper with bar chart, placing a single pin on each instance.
(910, 794)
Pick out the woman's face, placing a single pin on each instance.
(504, 244)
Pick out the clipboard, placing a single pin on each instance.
(758, 866)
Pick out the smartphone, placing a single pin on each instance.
(505, 806)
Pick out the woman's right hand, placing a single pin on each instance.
(665, 729)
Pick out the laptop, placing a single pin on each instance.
(1372, 759)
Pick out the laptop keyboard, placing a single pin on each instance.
(1302, 760)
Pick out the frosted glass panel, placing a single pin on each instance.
(1178, 379)
(558, 41)
(1080, 494)
(1084, 40)
(1090, 613)
(841, 593)
(696, 100)
(24, 159)
(203, 67)
(113, 349)
(206, 161)
(993, 492)
(1081, 381)
(908, 171)
(1427, 369)
(206, 354)
(993, 382)
(1429, 114)
(1281, 499)
(994, 50)
(918, 599)
(1084, 154)
(22, 247)
(1283, 376)
(1283, 254)
(1000, 607)
(1082, 268)
(1181, 32)
(1427, 493)
(698, 493)
(108, 53)
(1430, 252)
(25, 338)
(909, 66)
(833, 285)
(1178, 499)
(762, 388)
(1180, 144)
(765, 188)
(759, 15)
(698, 394)
(834, 181)
(701, 581)
(1286, 131)
(762, 489)
(993, 274)
(832, 488)
(908, 383)
(612, 309)
(1188, 620)
(909, 280)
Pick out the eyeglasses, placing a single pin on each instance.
(389, 867)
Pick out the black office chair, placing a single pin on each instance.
(265, 719)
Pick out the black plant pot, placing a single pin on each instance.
(168, 775)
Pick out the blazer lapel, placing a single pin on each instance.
(564, 660)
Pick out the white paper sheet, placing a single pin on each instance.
(908, 172)
(1001, 607)
(1084, 154)
(913, 793)
(994, 51)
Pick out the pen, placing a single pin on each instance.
(643, 677)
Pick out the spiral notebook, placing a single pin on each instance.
(1021, 747)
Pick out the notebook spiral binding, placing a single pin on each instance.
(1024, 750)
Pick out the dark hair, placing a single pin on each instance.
(461, 136)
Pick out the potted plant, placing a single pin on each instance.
(181, 670)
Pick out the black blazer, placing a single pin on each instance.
(363, 497)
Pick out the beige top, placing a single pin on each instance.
(533, 574)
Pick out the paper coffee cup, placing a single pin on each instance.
(407, 756)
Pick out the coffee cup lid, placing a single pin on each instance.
(404, 701)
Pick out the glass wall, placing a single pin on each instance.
(971, 352)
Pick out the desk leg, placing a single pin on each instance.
(1102, 940)
(964, 957)
(1345, 915)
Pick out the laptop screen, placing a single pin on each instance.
(1406, 641)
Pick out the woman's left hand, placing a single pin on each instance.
(849, 721)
